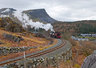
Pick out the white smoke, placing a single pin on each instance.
(4, 16)
(26, 21)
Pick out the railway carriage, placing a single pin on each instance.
(55, 35)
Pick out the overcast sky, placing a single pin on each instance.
(64, 10)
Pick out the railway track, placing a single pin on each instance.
(36, 54)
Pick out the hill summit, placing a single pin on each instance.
(7, 11)
(40, 15)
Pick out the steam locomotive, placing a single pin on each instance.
(51, 34)
(55, 35)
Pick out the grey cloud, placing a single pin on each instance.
(59, 9)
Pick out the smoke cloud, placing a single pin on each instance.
(26, 21)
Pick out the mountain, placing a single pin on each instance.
(36, 14)
(7, 11)
(39, 15)
(26, 18)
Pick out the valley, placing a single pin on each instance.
(33, 36)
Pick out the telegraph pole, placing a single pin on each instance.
(24, 59)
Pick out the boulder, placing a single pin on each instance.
(1, 43)
(90, 61)
(39, 35)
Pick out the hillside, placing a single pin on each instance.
(13, 38)
(8, 24)
(77, 27)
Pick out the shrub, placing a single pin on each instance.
(77, 66)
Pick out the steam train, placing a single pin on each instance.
(51, 34)
(55, 35)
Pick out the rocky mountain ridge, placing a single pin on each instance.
(39, 15)
(35, 14)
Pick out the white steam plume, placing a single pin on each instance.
(25, 22)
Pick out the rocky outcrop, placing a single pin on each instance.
(13, 38)
(1, 43)
(14, 27)
(39, 15)
(7, 11)
(39, 35)
(90, 61)
(10, 25)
